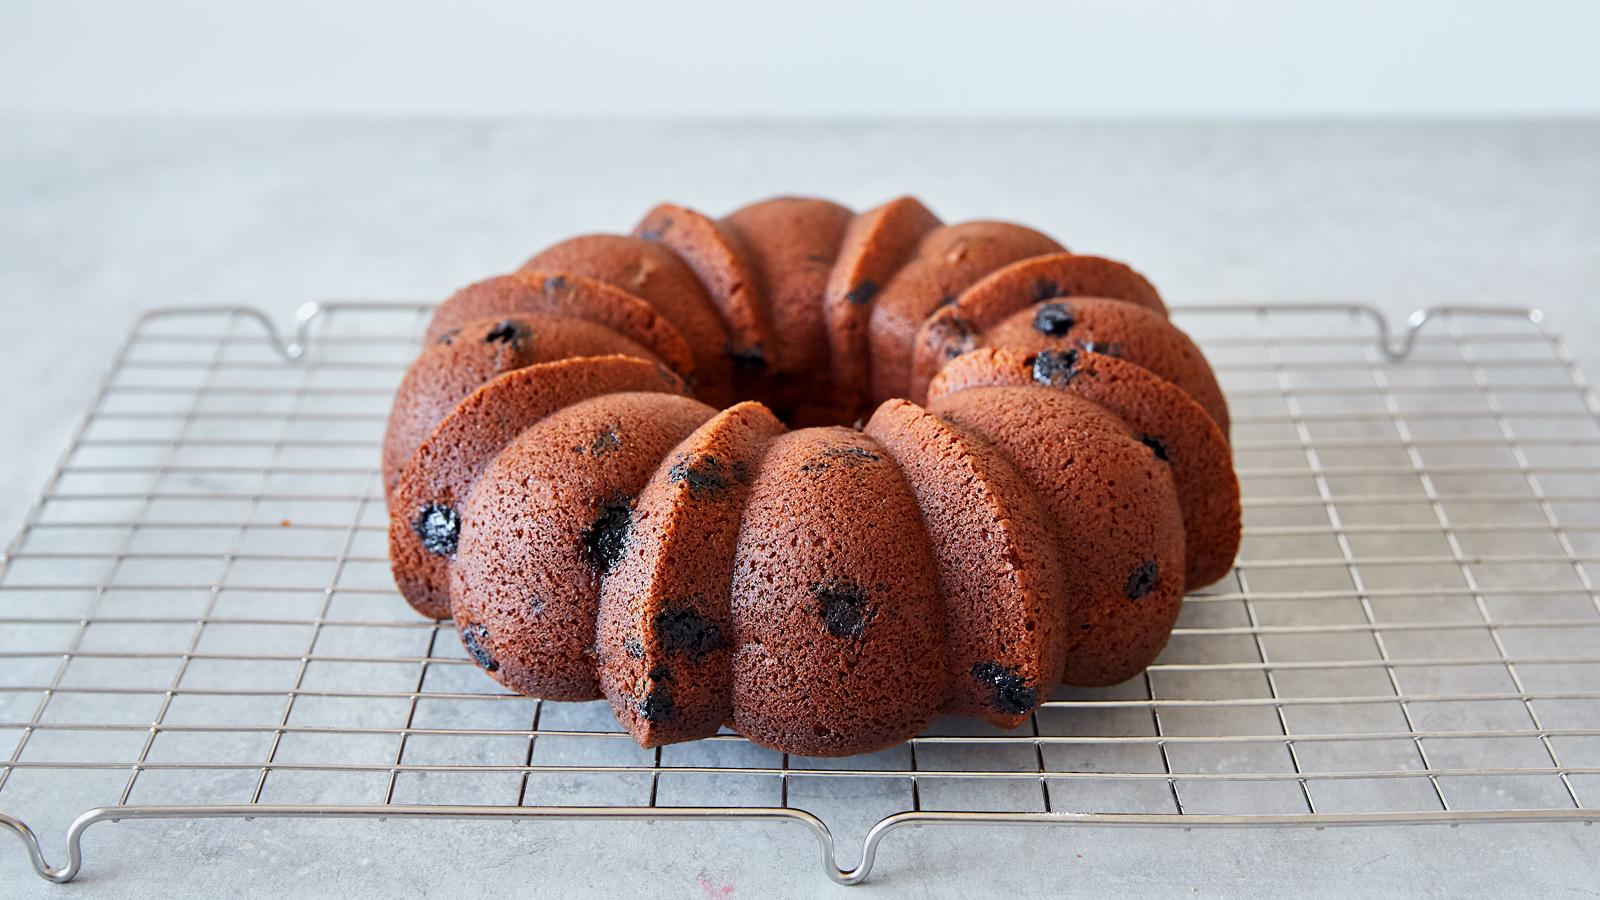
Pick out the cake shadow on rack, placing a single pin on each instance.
(199, 621)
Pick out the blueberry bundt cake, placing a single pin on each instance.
(812, 475)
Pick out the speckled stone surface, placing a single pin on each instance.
(108, 219)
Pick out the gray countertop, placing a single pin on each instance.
(100, 220)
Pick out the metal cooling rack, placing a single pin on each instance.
(198, 620)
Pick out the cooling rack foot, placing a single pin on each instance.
(62, 874)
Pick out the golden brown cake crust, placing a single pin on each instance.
(719, 258)
(838, 630)
(875, 245)
(525, 587)
(440, 474)
(792, 243)
(1117, 518)
(1175, 428)
(947, 261)
(464, 358)
(665, 637)
(654, 274)
(1000, 572)
(953, 329)
(530, 294)
(1118, 329)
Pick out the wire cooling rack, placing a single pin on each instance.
(198, 620)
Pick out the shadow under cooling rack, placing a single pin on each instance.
(197, 620)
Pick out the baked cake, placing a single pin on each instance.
(815, 476)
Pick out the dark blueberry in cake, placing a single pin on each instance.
(1143, 580)
(684, 630)
(509, 332)
(843, 607)
(703, 475)
(946, 300)
(749, 359)
(1156, 445)
(1054, 319)
(449, 337)
(1055, 367)
(632, 646)
(535, 605)
(1011, 691)
(604, 541)
(475, 637)
(439, 527)
(862, 293)
(657, 705)
(847, 455)
(603, 443)
(851, 453)
(657, 229)
(1044, 289)
(555, 283)
(961, 339)
(741, 472)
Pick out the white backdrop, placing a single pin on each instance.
(808, 59)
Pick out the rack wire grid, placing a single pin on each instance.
(199, 620)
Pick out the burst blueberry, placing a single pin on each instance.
(476, 639)
(1143, 580)
(439, 528)
(684, 630)
(1012, 693)
(1055, 367)
(1054, 319)
(603, 543)
(843, 607)
(1156, 445)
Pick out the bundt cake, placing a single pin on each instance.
(815, 476)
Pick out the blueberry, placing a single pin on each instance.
(862, 293)
(961, 339)
(843, 607)
(632, 646)
(449, 337)
(1054, 319)
(1143, 580)
(657, 229)
(603, 443)
(1044, 289)
(702, 474)
(1156, 445)
(683, 630)
(1055, 367)
(847, 455)
(439, 527)
(1011, 691)
(475, 637)
(509, 332)
(1104, 348)
(749, 359)
(604, 541)
(657, 704)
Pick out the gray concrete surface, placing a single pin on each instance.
(100, 220)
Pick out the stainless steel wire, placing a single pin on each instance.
(196, 619)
